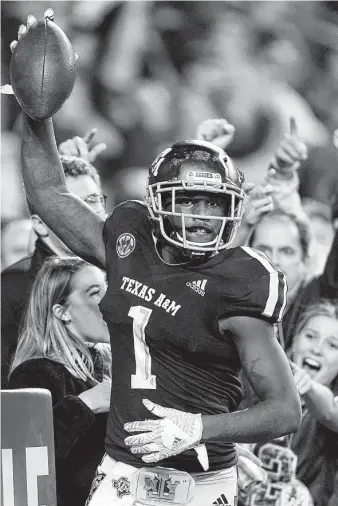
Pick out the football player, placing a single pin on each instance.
(185, 313)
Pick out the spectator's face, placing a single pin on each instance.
(315, 349)
(83, 187)
(279, 240)
(83, 306)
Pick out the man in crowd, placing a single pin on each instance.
(284, 235)
(185, 313)
(83, 180)
(285, 240)
(276, 223)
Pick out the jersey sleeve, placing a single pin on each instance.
(260, 288)
(125, 229)
(266, 299)
(267, 294)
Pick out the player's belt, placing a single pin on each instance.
(160, 485)
(147, 486)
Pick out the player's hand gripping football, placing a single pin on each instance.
(82, 147)
(217, 131)
(175, 432)
(42, 67)
(31, 21)
(291, 152)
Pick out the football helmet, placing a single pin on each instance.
(166, 180)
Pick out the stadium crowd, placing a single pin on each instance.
(151, 74)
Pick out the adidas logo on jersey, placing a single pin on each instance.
(221, 501)
(198, 286)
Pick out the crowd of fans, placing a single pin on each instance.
(151, 73)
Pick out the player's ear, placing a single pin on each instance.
(39, 226)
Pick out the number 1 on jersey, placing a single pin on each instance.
(143, 377)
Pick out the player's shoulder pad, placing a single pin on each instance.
(128, 207)
(129, 216)
(127, 211)
(258, 259)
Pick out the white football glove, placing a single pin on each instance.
(175, 432)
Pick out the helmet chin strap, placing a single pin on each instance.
(187, 253)
(190, 253)
(180, 238)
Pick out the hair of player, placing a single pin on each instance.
(43, 335)
(302, 225)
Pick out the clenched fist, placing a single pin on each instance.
(217, 131)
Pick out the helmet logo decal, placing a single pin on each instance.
(198, 177)
(125, 245)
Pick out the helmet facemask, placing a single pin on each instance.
(161, 192)
(209, 182)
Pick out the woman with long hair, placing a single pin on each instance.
(309, 457)
(314, 362)
(64, 348)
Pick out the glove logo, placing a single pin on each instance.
(122, 486)
(125, 245)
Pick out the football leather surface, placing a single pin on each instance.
(43, 70)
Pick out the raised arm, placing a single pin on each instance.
(70, 218)
(282, 174)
